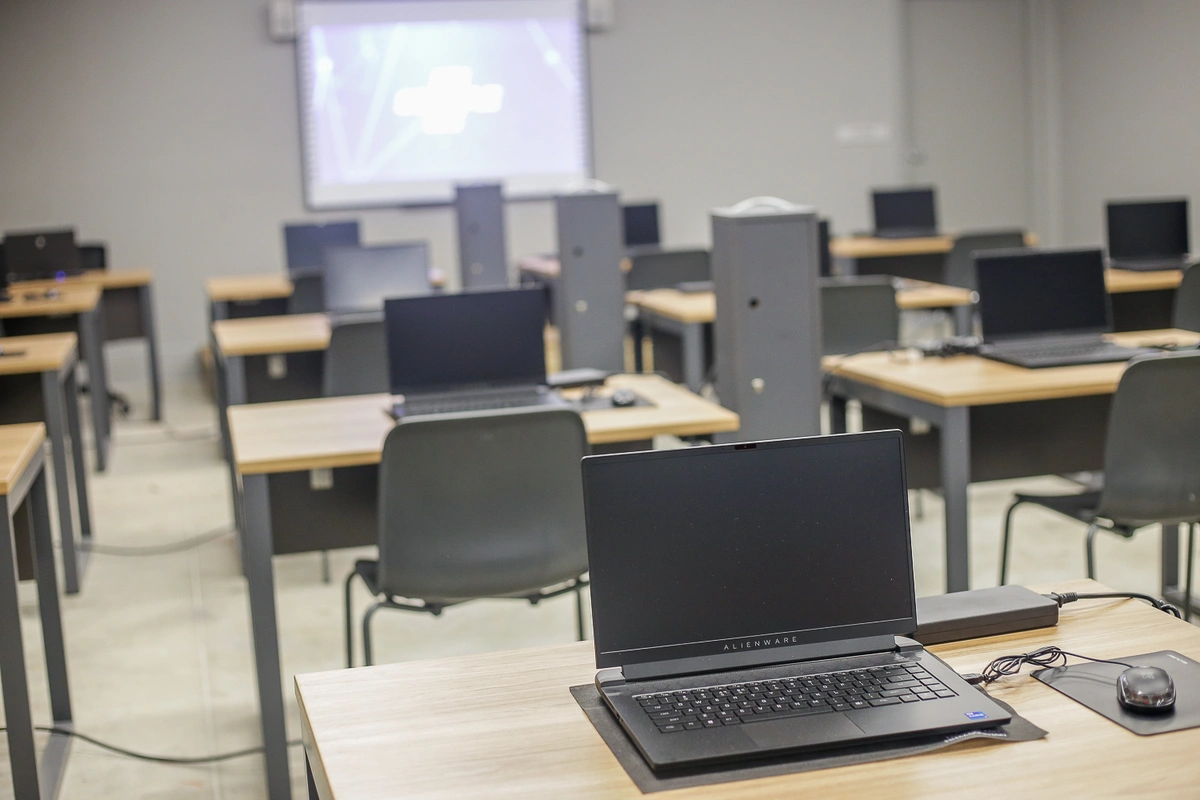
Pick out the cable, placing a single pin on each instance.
(157, 549)
(1043, 657)
(1062, 598)
(180, 761)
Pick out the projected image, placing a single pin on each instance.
(404, 110)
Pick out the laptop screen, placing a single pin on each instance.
(901, 209)
(718, 550)
(448, 341)
(361, 278)
(641, 224)
(304, 245)
(1148, 229)
(1031, 292)
(41, 255)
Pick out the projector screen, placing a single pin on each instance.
(402, 99)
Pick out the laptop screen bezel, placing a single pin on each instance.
(711, 653)
(923, 192)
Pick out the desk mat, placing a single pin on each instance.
(588, 697)
(1095, 686)
(603, 401)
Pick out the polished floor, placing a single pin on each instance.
(159, 645)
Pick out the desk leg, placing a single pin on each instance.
(312, 784)
(837, 414)
(93, 355)
(74, 429)
(218, 309)
(693, 355)
(258, 549)
(964, 320)
(145, 300)
(22, 752)
(56, 427)
(637, 333)
(48, 604)
(956, 477)
(232, 388)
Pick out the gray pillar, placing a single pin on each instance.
(765, 267)
(590, 296)
(482, 251)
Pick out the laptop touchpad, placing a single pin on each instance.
(800, 731)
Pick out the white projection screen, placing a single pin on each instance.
(400, 100)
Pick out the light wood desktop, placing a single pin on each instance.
(943, 392)
(403, 729)
(247, 288)
(83, 301)
(23, 483)
(53, 357)
(274, 440)
(1122, 281)
(855, 247)
(290, 333)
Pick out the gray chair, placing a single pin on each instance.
(858, 313)
(475, 505)
(356, 359)
(654, 268)
(960, 266)
(308, 292)
(1187, 301)
(1151, 459)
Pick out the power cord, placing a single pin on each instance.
(178, 761)
(157, 549)
(1062, 598)
(1043, 657)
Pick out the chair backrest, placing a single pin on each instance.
(1152, 454)
(482, 504)
(663, 269)
(857, 313)
(308, 292)
(356, 359)
(960, 267)
(1187, 301)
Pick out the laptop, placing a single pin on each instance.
(473, 351)
(641, 225)
(753, 599)
(908, 213)
(359, 279)
(41, 255)
(304, 245)
(1146, 235)
(1046, 308)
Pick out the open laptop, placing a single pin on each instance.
(304, 244)
(359, 279)
(750, 599)
(909, 213)
(467, 352)
(41, 255)
(1146, 235)
(641, 225)
(1046, 308)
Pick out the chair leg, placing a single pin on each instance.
(1187, 597)
(325, 577)
(368, 654)
(349, 622)
(919, 505)
(579, 613)
(1004, 542)
(1091, 550)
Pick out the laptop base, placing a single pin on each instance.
(460, 402)
(907, 233)
(1150, 265)
(1061, 352)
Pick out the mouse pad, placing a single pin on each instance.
(1095, 686)
(602, 401)
(610, 730)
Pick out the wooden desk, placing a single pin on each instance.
(260, 295)
(400, 730)
(23, 482)
(80, 304)
(275, 445)
(37, 383)
(856, 247)
(944, 391)
(689, 315)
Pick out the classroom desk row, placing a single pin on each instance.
(306, 479)
(377, 731)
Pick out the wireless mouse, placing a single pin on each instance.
(623, 398)
(1146, 690)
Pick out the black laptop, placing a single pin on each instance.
(304, 244)
(640, 222)
(359, 279)
(909, 213)
(467, 352)
(751, 599)
(41, 255)
(1146, 235)
(1046, 308)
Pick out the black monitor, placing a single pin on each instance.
(908, 209)
(1141, 229)
(304, 244)
(93, 256)
(1036, 292)
(641, 224)
(451, 341)
(710, 551)
(41, 255)
(361, 278)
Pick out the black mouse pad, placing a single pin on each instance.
(603, 400)
(648, 781)
(1095, 686)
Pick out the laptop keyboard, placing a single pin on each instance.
(739, 703)
(1063, 350)
(451, 405)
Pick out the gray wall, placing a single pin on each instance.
(169, 129)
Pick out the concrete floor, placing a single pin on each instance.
(159, 646)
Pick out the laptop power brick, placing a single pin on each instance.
(982, 612)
